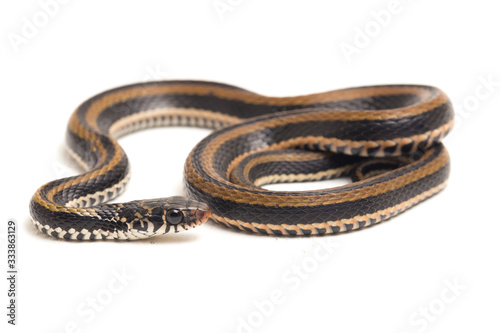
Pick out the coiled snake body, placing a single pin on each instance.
(386, 138)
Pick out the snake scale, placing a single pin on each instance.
(386, 138)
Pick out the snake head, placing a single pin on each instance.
(166, 215)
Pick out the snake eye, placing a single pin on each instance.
(174, 216)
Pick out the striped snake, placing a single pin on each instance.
(385, 138)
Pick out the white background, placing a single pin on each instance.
(213, 279)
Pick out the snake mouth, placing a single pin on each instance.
(197, 217)
(202, 214)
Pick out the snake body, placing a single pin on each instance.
(385, 138)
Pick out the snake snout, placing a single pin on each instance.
(203, 213)
(195, 213)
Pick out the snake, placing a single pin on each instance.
(385, 138)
